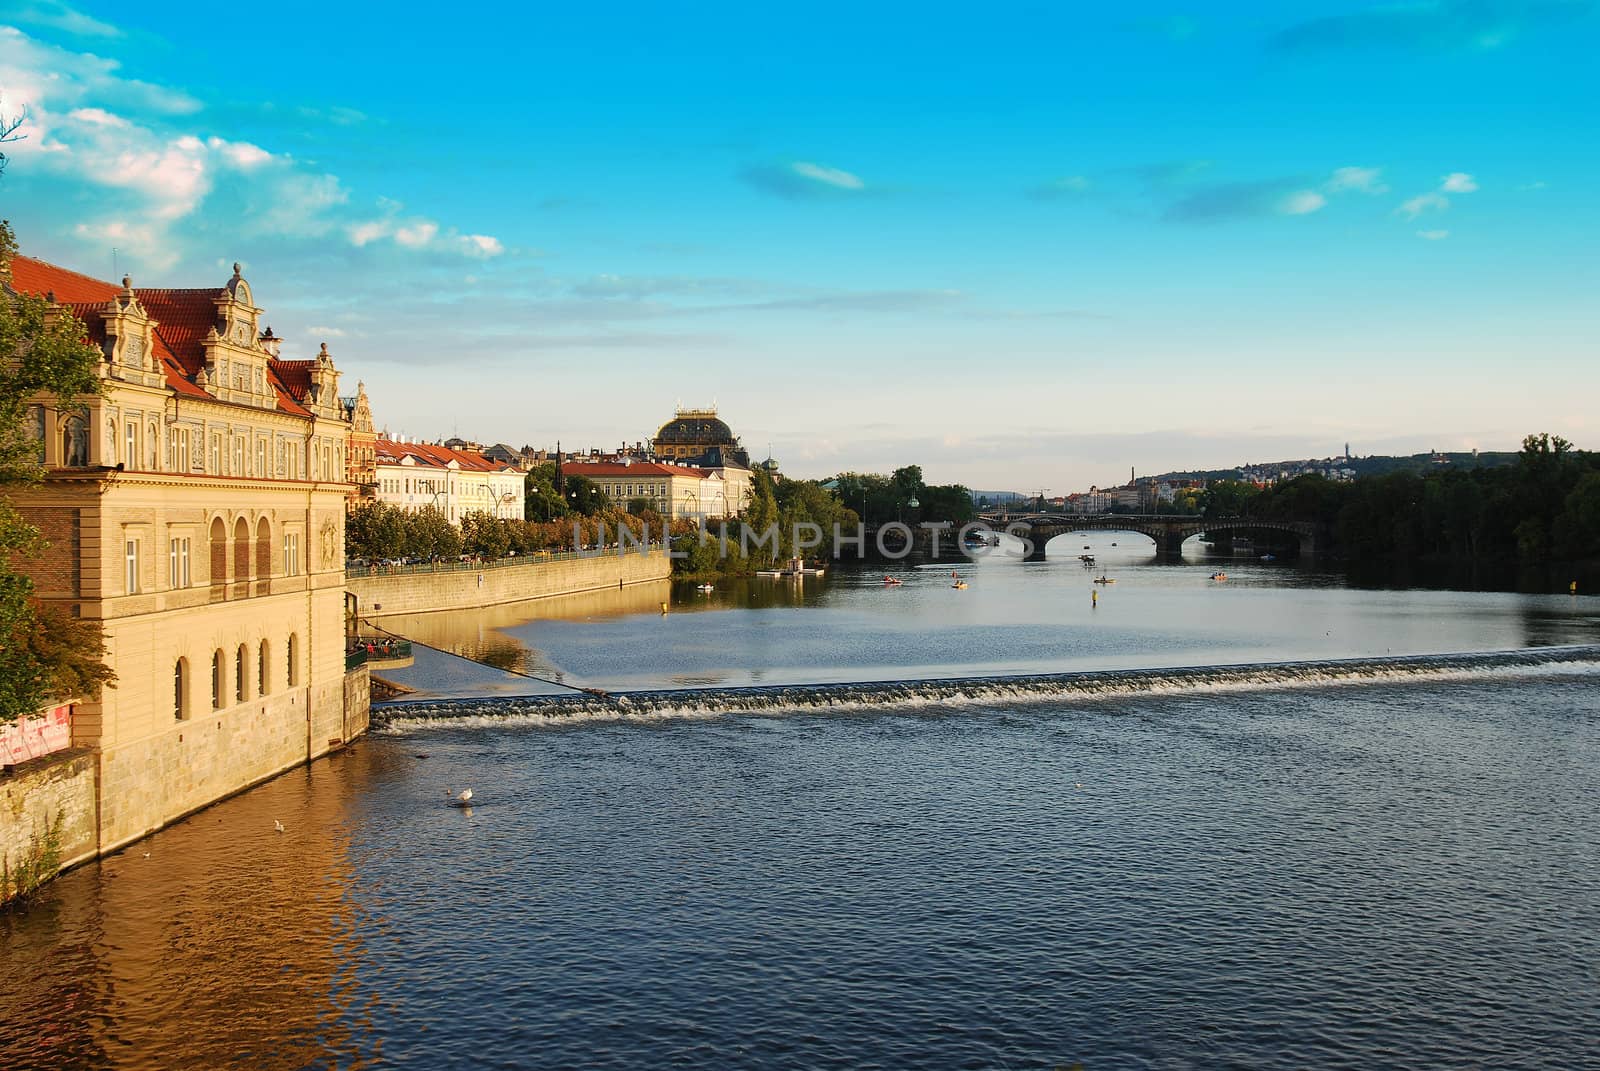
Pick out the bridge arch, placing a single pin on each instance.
(1168, 532)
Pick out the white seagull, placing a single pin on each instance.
(462, 800)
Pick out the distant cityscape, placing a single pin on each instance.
(1181, 489)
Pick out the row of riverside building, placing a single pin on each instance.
(195, 507)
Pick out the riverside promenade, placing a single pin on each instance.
(417, 589)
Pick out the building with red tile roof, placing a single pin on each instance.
(415, 475)
(195, 509)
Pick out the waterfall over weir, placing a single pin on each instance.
(1050, 687)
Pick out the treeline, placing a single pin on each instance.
(766, 534)
(903, 496)
(1545, 507)
(781, 509)
(377, 532)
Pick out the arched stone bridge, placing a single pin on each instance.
(1168, 531)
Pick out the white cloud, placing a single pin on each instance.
(317, 331)
(1531, 186)
(240, 154)
(1458, 182)
(1302, 202)
(97, 116)
(361, 234)
(1424, 202)
(1360, 179)
(481, 245)
(833, 176)
(1433, 236)
(58, 16)
(142, 169)
(416, 236)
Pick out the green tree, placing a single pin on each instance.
(541, 500)
(429, 534)
(375, 530)
(585, 496)
(44, 654)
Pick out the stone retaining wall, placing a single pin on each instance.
(416, 593)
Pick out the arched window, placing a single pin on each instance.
(294, 655)
(219, 552)
(241, 549)
(216, 681)
(262, 674)
(263, 549)
(180, 689)
(241, 683)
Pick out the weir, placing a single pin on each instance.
(1083, 685)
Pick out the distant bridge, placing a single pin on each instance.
(1168, 531)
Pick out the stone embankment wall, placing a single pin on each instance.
(109, 797)
(457, 589)
(45, 797)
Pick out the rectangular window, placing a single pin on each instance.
(178, 563)
(291, 554)
(238, 457)
(261, 458)
(216, 454)
(130, 452)
(131, 562)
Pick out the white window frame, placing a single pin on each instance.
(130, 561)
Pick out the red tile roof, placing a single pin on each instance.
(390, 452)
(31, 276)
(637, 468)
(183, 319)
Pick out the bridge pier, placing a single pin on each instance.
(1170, 544)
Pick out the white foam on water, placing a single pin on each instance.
(1087, 686)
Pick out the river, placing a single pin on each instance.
(1126, 863)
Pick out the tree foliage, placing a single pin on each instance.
(1545, 507)
(44, 654)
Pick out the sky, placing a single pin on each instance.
(1026, 246)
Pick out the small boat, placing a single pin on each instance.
(1113, 544)
(1219, 576)
(959, 585)
(706, 588)
(892, 581)
(1103, 579)
(1269, 557)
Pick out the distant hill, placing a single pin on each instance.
(1374, 465)
(1001, 498)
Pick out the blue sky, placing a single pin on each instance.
(1027, 246)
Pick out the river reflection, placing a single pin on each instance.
(219, 939)
(1013, 617)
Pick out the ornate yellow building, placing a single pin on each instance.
(361, 446)
(196, 508)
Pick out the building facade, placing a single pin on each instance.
(677, 492)
(411, 476)
(361, 447)
(195, 508)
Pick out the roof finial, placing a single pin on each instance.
(237, 271)
(127, 282)
(323, 355)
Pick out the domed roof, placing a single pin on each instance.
(695, 429)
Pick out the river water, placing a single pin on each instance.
(1373, 861)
